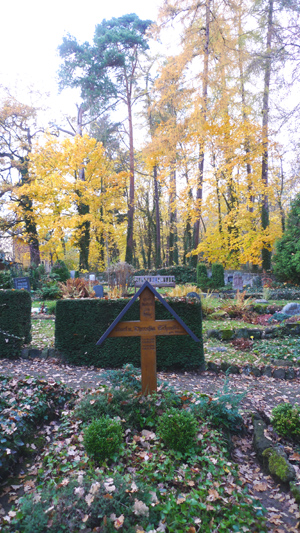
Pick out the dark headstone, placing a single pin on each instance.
(22, 283)
(237, 282)
(98, 291)
(193, 295)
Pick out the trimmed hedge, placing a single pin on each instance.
(202, 277)
(15, 322)
(217, 276)
(80, 324)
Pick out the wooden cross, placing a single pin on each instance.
(147, 328)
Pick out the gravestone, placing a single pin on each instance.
(147, 328)
(22, 283)
(193, 295)
(237, 282)
(98, 291)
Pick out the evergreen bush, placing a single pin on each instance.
(217, 278)
(286, 420)
(6, 279)
(15, 321)
(103, 438)
(286, 261)
(178, 429)
(61, 270)
(79, 325)
(202, 277)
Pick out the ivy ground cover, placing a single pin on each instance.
(147, 484)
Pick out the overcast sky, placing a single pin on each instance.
(31, 31)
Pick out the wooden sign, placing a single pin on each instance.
(147, 328)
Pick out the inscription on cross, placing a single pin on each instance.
(147, 328)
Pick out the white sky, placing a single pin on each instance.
(31, 31)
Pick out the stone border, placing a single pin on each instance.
(291, 329)
(36, 353)
(286, 372)
(273, 458)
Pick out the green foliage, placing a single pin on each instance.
(6, 279)
(202, 277)
(50, 290)
(61, 271)
(286, 261)
(51, 307)
(222, 411)
(286, 420)
(36, 275)
(67, 506)
(103, 438)
(80, 324)
(217, 278)
(15, 321)
(127, 377)
(27, 403)
(125, 402)
(178, 429)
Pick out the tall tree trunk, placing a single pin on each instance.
(265, 219)
(199, 193)
(30, 225)
(130, 216)
(157, 221)
(243, 96)
(83, 210)
(173, 242)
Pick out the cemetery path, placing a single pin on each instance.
(261, 394)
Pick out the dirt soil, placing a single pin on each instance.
(262, 394)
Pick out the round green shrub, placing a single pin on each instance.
(178, 429)
(103, 438)
(61, 270)
(286, 420)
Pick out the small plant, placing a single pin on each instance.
(60, 269)
(103, 438)
(221, 411)
(120, 276)
(6, 280)
(266, 292)
(180, 291)
(77, 288)
(286, 420)
(238, 307)
(178, 429)
(242, 344)
(50, 289)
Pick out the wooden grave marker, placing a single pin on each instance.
(147, 328)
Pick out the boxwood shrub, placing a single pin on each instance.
(80, 324)
(15, 321)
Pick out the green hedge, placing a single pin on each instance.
(15, 321)
(80, 324)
